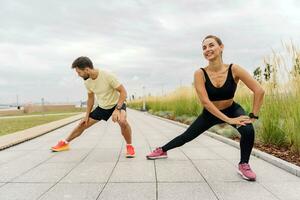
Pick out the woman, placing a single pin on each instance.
(215, 86)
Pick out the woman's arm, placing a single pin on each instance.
(203, 97)
(252, 84)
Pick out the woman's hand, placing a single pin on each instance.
(242, 120)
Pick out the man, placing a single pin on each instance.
(110, 95)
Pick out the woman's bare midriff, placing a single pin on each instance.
(223, 103)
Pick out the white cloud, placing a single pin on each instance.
(135, 78)
(151, 43)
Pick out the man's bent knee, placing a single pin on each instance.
(123, 124)
(82, 126)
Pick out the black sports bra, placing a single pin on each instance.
(223, 93)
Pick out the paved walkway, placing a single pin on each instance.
(96, 168)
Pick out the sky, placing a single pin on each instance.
(150, 43)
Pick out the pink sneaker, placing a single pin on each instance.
(246, 172)
(157, 154)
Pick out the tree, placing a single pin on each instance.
(268, 71)
(257, 74)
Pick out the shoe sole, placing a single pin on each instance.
(154, 158)
(244, 177)
(130, 156)
(59, 150)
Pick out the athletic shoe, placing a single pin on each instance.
(130, 151)
(246, 172)
(158, 153)
(61, 146)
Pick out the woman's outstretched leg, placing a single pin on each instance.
(201, 124)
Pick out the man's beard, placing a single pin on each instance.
(86, 77)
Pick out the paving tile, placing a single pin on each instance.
(90, 173)
(23, 191)
(177, 171)
(183, 191)
(84, 191)
(47, 172)
(139, 171)
(242, 190)
(129, 191)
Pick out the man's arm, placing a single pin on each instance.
(90, 104)
(123, 95)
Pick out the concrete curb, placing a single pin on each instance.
(289, 167)
(10, 140)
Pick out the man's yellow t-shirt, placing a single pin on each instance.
(104, 87)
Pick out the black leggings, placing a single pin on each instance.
(207, 120)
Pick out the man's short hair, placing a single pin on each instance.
(82, 62)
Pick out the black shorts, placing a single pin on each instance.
(104, 114)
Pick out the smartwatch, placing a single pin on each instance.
(119, 107)
(252, 116)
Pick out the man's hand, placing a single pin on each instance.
(85, 121)
(116, 115)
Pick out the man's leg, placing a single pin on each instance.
(126, 132)
(64, 144)
(125, 127)
(80, 128)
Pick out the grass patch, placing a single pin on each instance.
(8, 126)
(75, 110)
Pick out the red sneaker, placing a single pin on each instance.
(130, 151)
(61, 146)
